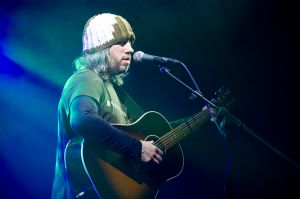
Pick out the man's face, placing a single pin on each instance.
(119, 57)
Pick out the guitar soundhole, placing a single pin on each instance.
(152, 137)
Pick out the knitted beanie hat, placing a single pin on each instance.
(104, 30)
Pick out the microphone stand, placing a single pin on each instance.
(228, 184)
(167, 71)
(231, 118)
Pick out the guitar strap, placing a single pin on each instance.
(133, 109)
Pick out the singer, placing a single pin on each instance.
(101, 153)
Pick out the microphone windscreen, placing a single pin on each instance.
(137, 56)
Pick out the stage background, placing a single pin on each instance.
(248, 46)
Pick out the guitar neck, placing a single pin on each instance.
(179, 133)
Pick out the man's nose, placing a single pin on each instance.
(128, 48)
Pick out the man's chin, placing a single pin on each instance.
(120, 70)
(124, 69)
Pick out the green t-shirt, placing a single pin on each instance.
(88, 83)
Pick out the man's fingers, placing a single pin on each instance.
(156, 161)
(158, 157)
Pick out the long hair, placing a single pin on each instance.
(98, 62)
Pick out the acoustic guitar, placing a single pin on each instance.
(96, 172)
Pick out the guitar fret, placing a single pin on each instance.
(180, 132)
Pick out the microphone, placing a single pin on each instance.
(140, 56)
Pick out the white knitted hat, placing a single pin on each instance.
(104, 30)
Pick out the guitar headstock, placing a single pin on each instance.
(223, 97)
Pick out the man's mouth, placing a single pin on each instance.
(126, 61)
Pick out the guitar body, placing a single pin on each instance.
(96, 172)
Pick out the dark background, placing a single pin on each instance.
(248, 46)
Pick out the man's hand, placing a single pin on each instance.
(212, 111)
(150, 152)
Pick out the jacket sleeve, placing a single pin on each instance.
(85, 121)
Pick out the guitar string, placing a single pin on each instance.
(167, 140)
(178, 130)
(181, 133)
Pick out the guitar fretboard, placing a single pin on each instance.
(176, 135)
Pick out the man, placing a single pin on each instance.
(89, 103)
